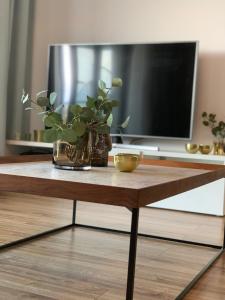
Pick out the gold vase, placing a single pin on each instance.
(218, 148)
(72, 157)
(39, 135)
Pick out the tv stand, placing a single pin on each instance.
(198, 200)
(117, 139)
(135, 147)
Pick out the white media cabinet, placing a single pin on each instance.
(208, 199)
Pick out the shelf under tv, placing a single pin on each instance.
(147, 150)
(28, 143)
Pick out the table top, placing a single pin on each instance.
(147, 184)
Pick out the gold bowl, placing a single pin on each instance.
(126, 162)
(191, 148)
(205, 149)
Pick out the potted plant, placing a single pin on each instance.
(84, 139)
(217, 129)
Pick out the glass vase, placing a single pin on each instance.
(72, 156)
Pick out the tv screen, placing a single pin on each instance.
(158, 83)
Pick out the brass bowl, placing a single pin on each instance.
(126, 162)
(205, 149)
(191, 148)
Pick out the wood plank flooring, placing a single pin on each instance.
(89, 264)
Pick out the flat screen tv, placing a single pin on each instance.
(158, 89)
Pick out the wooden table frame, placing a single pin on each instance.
(158, 192)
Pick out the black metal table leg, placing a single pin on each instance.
(132, 254)
(74, 212)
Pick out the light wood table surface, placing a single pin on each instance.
(147, 184)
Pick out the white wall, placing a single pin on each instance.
(5, 37)
(71, 21)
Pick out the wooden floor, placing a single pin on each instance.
(89, 264)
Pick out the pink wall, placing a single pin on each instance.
(71, 21)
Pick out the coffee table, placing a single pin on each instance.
(152, 181)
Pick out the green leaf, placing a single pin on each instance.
(79, 128)
(50, 135)
(90, 102)
(102, 93)
(212, 117)
(125, 123)
(52, 98)
(98, 103)
(69, 135)
(115, 103)
(42, 101)
(53, 119)
(59, 135)
(58, 108)
(204, 114)
(206, 123)
(110, 120)
(75, 109)
(43, 112)
(101, 85)
(107, 107)
(215, 131)
(100, 98)
(117, 82)
(24, 98)
(87, 115)
(103, 129)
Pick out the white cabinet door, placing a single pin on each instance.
(207, 199)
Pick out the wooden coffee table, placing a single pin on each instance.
(152, 181)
